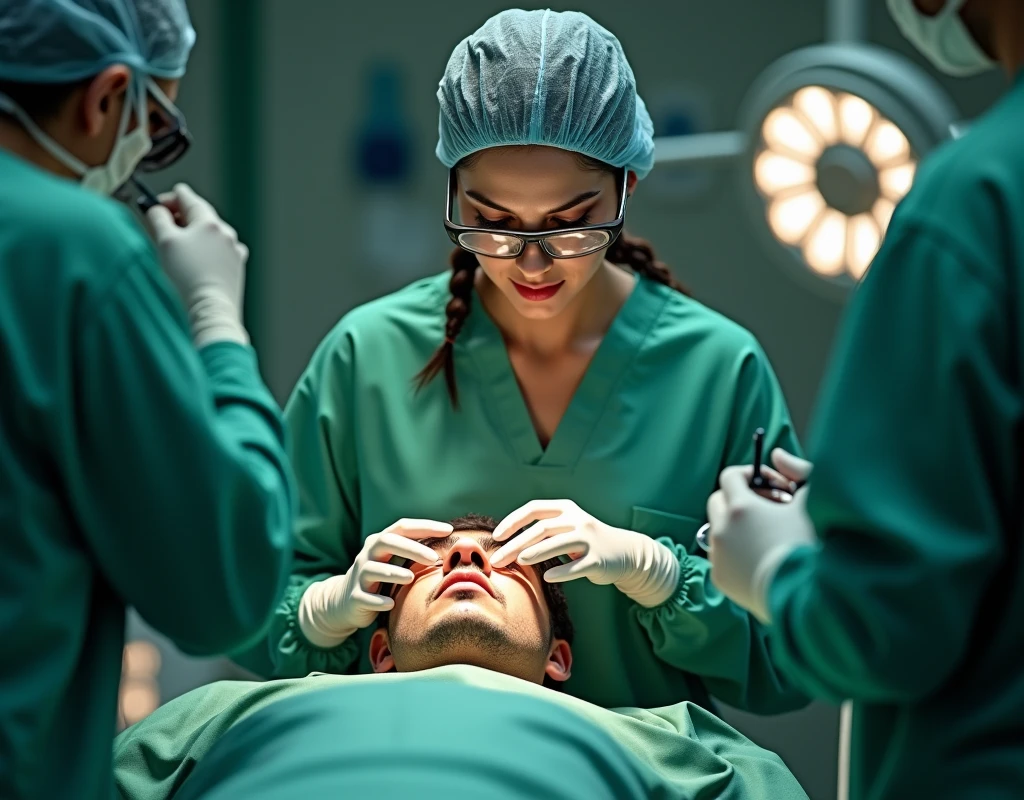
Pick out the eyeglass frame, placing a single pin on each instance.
(177, 132)
(614, 227)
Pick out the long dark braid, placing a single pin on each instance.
(628, 251)
(638, 255)
(464, 266)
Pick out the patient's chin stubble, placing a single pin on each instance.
(459, 637)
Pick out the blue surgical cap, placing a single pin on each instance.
(61, 41)
(544, 78)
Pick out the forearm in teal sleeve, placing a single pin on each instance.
(701, 631)
(797, 639)
(886, 609)
(175, 465)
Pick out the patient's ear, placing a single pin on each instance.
(559, 666)
(380, 652)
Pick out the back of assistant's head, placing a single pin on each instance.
(64, 41)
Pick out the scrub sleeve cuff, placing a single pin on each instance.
(679, 597)
(296, 655)
(789, 578)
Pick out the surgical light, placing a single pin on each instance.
(828, 144)
(139, 693)
(824, 160)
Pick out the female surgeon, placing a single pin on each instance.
(558, 369)
(134, 470)
(911, 602)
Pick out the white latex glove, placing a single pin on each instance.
(751, 536)
(331, 610)
(202, 256)
(641, 568)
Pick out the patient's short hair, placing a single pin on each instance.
(558, 606)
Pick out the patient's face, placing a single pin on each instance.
(463, 611)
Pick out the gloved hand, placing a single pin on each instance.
(202, 256)
(331, 610)
(750, 536)
(641, 568)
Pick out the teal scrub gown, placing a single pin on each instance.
(674, 394)
(133, 471)
(450, 732)
(914, 604)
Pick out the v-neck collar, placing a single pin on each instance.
(482, 341)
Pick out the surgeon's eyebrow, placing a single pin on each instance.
(483, 200)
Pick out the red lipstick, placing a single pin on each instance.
(537, 294)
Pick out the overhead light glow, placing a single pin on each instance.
(793, 136)
(882, 212)
(775, 173)
(896, 181)
(855, 117)
(791, 217)
(862, 240)
(886, 144)
(786, 132)
(139, 699)
(825, 247)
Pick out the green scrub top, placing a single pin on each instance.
(914, 604)
(674, 393)
(455, 731)
(133, 471)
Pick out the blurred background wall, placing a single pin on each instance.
(288, 99)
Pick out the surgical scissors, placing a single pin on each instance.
(761, 484)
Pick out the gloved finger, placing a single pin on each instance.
(532, 512)
(510, 551)
(794, 468)
(170, 199)
(193, 207)
(378, 572)
(567, 544)
(161, 223)
(373, 602)
(717, 510)
(775, 477)
(243, 252)
(421, 528)
(735, 482)
(581, 568)
(385, 546)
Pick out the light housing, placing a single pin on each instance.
(834, 133)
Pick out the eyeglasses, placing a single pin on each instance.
(559, 243)
(173, 139)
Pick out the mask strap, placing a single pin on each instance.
(152, 88)
(42, 138)
(45, 141)
(138, 89)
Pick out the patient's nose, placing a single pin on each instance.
(467, 552)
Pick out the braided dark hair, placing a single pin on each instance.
(464, 266)
(627, 251)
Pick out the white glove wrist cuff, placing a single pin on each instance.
(312, 616)
(656, 577)
(213, 317)
(763, 576)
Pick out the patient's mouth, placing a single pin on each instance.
(465, 580)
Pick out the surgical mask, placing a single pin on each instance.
(129, 148)
(942, 38)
